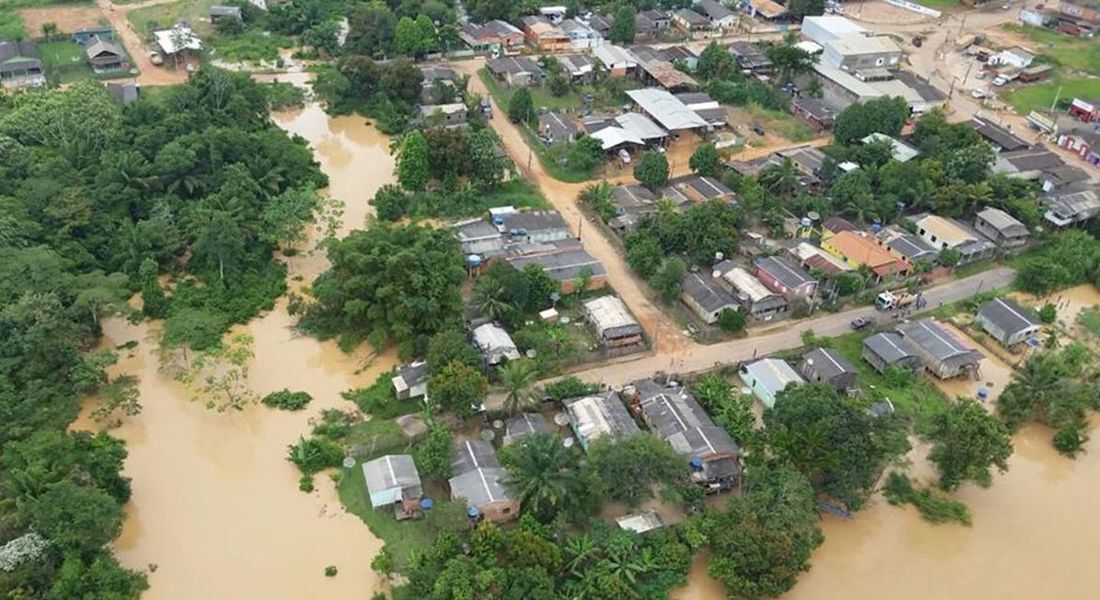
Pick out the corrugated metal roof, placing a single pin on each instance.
(1008, 315)
(773, 374)
(611, 317)
(934, 339)
(391, 471)
(671, 113)
(481, 486)
(470, 455)
(601, 415)
(890, 346)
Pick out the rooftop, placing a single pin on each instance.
(1000, 136)
(861, 251)
(705, 291)
(414, 372)
(513, 65)
(828, 363)
(708, 188)
(1008, 315)
(1002, 221)
(533, 220)
(902, 152)
(773, 374)
(610, 55)
(481, 486)
(561, 266)
(854, 45)
(945, 229)
(611, 317)
(491, 336)
(786, 273)
(890, 346)
(677, 417)
(470, 455)
(524, 424)
(746, 284)
(600, 415)
(935, 339)
(392, 471)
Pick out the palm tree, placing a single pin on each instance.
(780, 179)
(518, 377)
(491, 301)
(545, 475)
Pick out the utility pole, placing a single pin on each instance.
(1057, 95)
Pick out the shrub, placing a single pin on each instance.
(315, 454)
(569, 387)
(305, 483)
(1048, 313)
(731, 320)
(287, 400)
(935, 508)
(330, 571)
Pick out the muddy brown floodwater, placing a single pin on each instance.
(216, 506)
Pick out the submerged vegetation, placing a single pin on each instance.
(933, 506)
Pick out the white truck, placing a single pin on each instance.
(895, 299)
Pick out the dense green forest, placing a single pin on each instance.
(96, 202)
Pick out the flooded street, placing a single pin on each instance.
(994, 374)
(216, 507)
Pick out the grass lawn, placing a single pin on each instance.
(1090, 320)
(940, 3)
(1076, 53)
(250, 46)
(147, 19)
(64, 61)
(11, 26)
(782, 123)
(519, 193)
(1039, 97)
(919, 400)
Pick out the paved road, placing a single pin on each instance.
(784, 336)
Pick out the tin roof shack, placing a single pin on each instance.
(945, 233)
(767, 377)
(676, 417)
(1071, 208)
(751, 58)
(105, 56)
(478, 478)
(641, 522)
(814, 112)
(495, 344)
(614, 325)
(524, 424)
(706, 297)
(890, 349)
(554, 129)
(597, 416)
(781, 277)
(905, 245)
(940, 351)
(631, 203)
(1004, 229)
(411, 380)
(1008, 322)
(443, 115)
(478, 237)
(1001, 139)
(20, 65)
(393, 480)
(829, 366)
(755, 298)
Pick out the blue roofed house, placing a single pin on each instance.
(767, 377)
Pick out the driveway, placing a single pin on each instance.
(150, 74)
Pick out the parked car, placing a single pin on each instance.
(979, 93)
(758, 130)
(624, 156)
(861, 323)
(1000, 80)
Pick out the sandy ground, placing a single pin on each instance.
(67, 18)
(886, 14)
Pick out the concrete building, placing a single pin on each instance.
(768, 377)
(829, 366)
(689, 21)
(856, 250)
(411, 380)
(890, 349)
(1072, 207)
(543, 35)
(478, 237)
(598, 416)
(533, 225)
(862, 53)
(1008, 322)
(495, 344)
(941, 352)
(674, 415)
(567, 267)
(612, 321)
(826, 28)
(516, 71)
(906, 246)
(1005, 230)
(719, 17)
(478, 479)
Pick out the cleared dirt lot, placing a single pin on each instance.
(67, 18)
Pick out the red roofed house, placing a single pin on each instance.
(856, 250)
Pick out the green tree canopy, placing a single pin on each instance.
(704, 160)
(882, 115)
(652, 170)
(458, 389)
(623, 27)
(967, 444)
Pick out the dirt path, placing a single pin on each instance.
(150, 74)
(667, 336)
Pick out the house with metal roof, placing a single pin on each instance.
(939, 349)
(567, 267)
(717, 15)
(631, 202)
(411, 380)
(814, 112)
(766, 9)
(1005, 230)
(664, 73)
(901, 151)
(524, 424)
(1007, 321)
(826, 28)
(599, 416)
(706, 297)
(701, 188)
(674, 415)
(491, 35)
(177, 39)
(668, 111)
(626, 129)
(1027, 163)
(1001, 139)
(782, 277)
(890, 349)
(616, 60)
(829, 366)
(516, 70)
(104, 55)
(443, 115)
(477, 236)
(751, 58)
(533, 225)
(393, 479)
(612, 321)
(905, 245)
(1072, 207)
(858, 52)
(20, 64)
(641, 522)
(555, 129)
(576, 66)
(689, 21)
(478, 478)
(944, 233)
(754, 297)
(767, 377)
(494, 343)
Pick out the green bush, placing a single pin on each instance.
(315, 454)
(569, 387)
(287, 400)
(935, 508)
(305, 483)
(330, 571)
(731, 320)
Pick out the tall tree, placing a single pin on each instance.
(458, 388)
(521, 109)
(629, 468)
(518, 378)
(547, 476)
(967, 444)
(220, 244)
(652, 170)
(623, 27)
(413, 169)
(883, 115)
(704, 160)
(715, 62)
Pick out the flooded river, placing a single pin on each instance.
(216, 507)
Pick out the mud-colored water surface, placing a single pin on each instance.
(216, 512)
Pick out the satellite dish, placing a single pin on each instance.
(349, 462)
(488, 435)
(812, 215)
(498, 424)
(561, 419)
(568, 442)
(531, 353)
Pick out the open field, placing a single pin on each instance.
(1040, 96)
(11, 26)
(145, 20)
(64, 61)
(780, 127)
(68, 18)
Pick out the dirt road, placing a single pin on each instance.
(663, 331)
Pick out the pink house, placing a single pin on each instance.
(1082, 142)
(784, 278)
